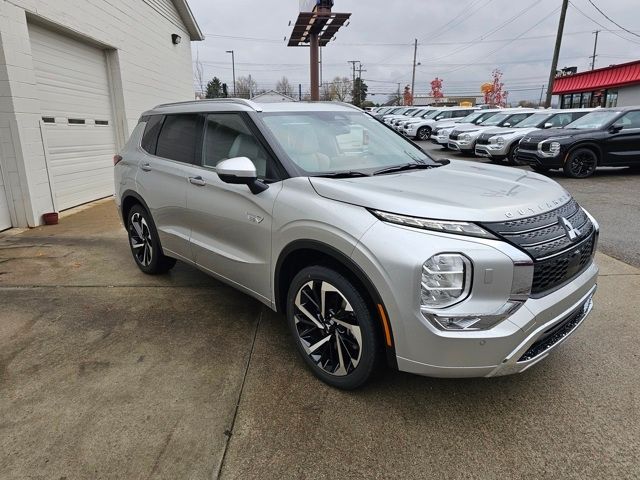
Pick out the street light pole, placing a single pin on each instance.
(233, 69)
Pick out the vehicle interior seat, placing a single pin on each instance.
(305, 151)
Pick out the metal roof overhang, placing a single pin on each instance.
(602, 78)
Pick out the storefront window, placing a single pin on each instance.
(586, 100)
(612, 98)
(575, 102)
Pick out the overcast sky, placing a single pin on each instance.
(461, 41)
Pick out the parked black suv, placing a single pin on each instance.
(605, 137)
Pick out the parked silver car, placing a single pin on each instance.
(371, 248)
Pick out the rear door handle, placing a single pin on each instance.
(146, 167)
(197, 181)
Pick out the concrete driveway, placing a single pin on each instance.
(108, 373)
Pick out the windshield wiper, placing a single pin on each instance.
(347, 174)
(405, 166)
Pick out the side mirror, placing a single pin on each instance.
(548, 125)
(508, 124)
(616, 127)
(240, 171)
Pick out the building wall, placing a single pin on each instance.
(629, 96)
(145, 69)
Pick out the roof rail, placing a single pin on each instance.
(240, 101)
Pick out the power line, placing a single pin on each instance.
(601, 25)
(611, 20)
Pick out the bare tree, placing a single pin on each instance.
(340, 88)
(245, 87)
(326, 93)
(284, 87)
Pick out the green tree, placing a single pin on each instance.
(359, 92)
(225, 90)
(214, 88)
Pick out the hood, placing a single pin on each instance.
(470, 127)
(540, 135)
(462, 190)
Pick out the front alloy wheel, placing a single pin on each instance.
(424, 133)
(333, 327)
(582, 163)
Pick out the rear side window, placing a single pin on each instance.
(179, 138)
(150, 135)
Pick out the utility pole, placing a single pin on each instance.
(595, 47)
(413, 77)
(353, 82)
(300, 92)
(250, 88)
(233, 67)
(556, 52)
(360, 70)
(541, 94)
(320, 49)
(398, 97)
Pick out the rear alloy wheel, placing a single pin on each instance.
(424, 133)
(581, 163)
(333, 327)
(145, 244)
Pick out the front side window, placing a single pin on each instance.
(327, 142)
(513, 119)
(630, 120)
(227, 135)
(495, 119)
(179, 138)
(593, 120)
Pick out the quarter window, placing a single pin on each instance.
(178, 138)
(150, 135)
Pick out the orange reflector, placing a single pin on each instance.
(385, 324)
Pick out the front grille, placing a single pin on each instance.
(529, 158)
(557, 258)
(557, 332)
(482, 141)
(454, 135)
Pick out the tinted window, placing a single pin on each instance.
(630, 120)
(178, 138)
(517, 118)
(562, 119)
(227, 135)
(150, 135)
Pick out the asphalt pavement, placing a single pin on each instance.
(106, 373)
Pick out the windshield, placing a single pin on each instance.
(328, 142)
(471, 117)
(496, 119)
(431, 114)
(593, 120)
(534, 120)
(483, 116)
(417, 113)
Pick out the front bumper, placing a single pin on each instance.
(423, 349)
(534, 159)
(458, 146)
(491, 151)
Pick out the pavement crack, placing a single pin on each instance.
(229, 432)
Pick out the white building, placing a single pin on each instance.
(74, 78)
(271, 96)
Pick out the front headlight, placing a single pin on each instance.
(465, 138)
(446, 280)
(500, 141)
(549, 149)
(460, 228)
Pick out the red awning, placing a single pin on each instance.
(608, 77)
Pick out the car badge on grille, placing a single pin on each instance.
(527, 139)
(572, 232)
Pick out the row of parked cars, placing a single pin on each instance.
(574, 140)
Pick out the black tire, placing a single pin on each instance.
(423, 133)
(511, 156)
(581, 163)
(540, 169)
(338, 337)
(145, 243)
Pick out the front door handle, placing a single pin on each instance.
(146, 167)
(197, 181)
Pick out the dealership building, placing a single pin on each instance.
(74, 78)
(613, 86)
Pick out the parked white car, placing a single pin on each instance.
(501, 143)
(415, 117)
(463, 139)
(403, 113)
(440, 134)
(422, 130)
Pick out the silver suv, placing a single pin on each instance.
(373, 250)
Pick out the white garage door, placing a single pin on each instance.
(73, 90)
(5, 219)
